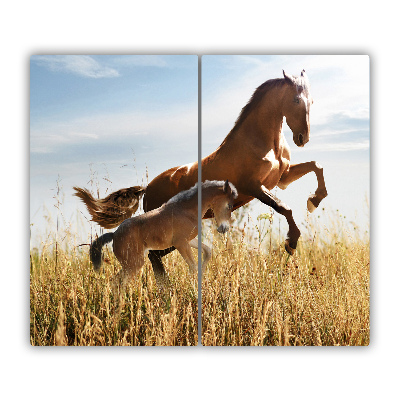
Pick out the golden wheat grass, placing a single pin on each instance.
(254, 295)
(70, 304)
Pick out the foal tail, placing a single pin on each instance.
(113, 209)
(96, 246)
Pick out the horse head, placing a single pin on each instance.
(296, 107)
(222, 206)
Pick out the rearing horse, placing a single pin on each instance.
(254, 156)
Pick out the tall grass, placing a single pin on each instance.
(253, 293)
(72, 305)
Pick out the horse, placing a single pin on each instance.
(254, 156)
(172, 224)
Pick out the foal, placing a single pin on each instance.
(173, 224)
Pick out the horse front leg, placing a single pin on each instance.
(205, 250)
(186, 252)
(265, 196)
(296, 171)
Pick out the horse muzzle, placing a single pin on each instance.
(223, 228)
(301, 140)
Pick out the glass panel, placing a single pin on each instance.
(294, 267)
(104, 123)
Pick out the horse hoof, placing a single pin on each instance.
(288, 248)
(310, 206)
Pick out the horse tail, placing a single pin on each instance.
(113, 209)
(96, 246)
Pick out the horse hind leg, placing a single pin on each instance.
(130, 269)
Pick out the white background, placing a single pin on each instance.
(206, 27)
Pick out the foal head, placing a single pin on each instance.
(296, 107)
(222, 206)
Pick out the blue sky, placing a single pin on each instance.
(110, 118)
(104, 122)
(339, 137)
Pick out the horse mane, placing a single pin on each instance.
(256, 98)
(193, 191)
(207, 184)
(301, 83)
(184, 195)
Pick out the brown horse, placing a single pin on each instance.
(254, 156)
(172, 224)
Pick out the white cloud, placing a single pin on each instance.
(332, 132)
(340, 146)
(83, 135)
(173, 123)
(139, 61)
(81, 65)
(100, 67)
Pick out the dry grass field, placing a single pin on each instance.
(253, 293)
(70, 304)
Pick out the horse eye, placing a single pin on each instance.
(229, 206)
(296, 100)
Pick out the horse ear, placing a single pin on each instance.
(289, 78)
(303, 72)
(227, 188)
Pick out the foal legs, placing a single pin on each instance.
(130, 268)
(269, 199)
(205, 249)
(297, 171)
(157, 264)
(186, 252)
